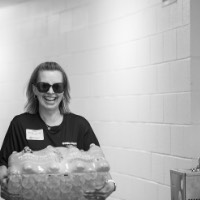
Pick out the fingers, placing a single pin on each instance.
(95, 195)
(92, 197)
(101, 194)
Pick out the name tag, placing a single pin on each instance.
(34, 134)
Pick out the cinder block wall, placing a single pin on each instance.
(131, 68)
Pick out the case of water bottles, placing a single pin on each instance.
(55, 173)
(52, 186)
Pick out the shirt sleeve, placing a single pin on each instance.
(90, 138)
(87, 136)
(8, 146)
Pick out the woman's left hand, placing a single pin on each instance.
(101, 194)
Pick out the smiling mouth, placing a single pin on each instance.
(49, 99)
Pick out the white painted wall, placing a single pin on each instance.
(133, 68)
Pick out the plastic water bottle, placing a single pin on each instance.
(28, 181)
(90, 175)
(65, 185)
(53, 181)
(41, 188)
(88, 186)
(41, 197)
(53, 193)
(14, 184)
(77, 179)
(100, 180)
(28, 194)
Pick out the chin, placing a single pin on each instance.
(50, 107)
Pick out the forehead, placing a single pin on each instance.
(50, 76)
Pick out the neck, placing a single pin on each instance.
(51, 118)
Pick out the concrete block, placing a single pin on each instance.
(53, 25)
(127, 108)
(145, 137)
(175, 14)
(183, 42)
(145, 22)
(143, 52)
(195, 71)
(163, 139)
(125, 184)
(191, 141)
(105, 33)
(123, 82)
(78, 106)
(195, 98)
(74, 3)
(164, 192)
(156, 108)
(163, 18)
(194, 28)
(106, 131)
(76, 90)
(184, 108)
(80, 17)
(170, 47)
(158, 168)
(141, 137)
(111, 10)
(177, 140)
(100, 108)
(79, 40)
(163, 78)
(147, 80)
(138, 163)
(98, 84)
(170, 108)
(180, 76)
(122, 56)
(156, 48)
(151, 190)
(187, 11)
(144, 108)
(83, 59)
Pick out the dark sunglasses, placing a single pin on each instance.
(44, 87)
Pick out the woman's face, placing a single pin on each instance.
(49, 100)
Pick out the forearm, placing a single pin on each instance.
(3, 172)
(109, 177)
(111, 182)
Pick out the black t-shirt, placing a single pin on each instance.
(30, 130)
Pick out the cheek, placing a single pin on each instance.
(60, 97)
(40, 98)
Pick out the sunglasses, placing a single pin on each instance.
(44, 87)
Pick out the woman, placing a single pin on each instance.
(47, 121)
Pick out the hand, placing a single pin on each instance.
(101, 194)
(3, 173)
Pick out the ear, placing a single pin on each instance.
(34, 90)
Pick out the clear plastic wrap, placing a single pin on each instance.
(55, 173)
(52, 186)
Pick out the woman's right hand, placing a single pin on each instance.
(3, 173)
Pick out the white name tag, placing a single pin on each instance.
(34, 134)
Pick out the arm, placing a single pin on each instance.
(3, 172)
(6, 150)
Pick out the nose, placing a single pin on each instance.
(50, 90)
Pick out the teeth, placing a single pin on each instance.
(49, 98)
